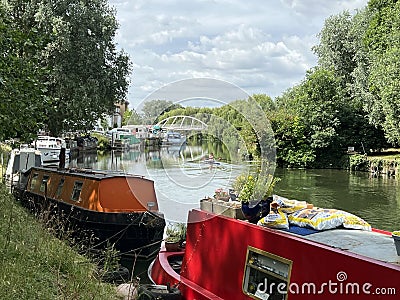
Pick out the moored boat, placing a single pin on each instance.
(173, 138)
(21, 160)
(226, 258)
(50, 148)
(115, 208)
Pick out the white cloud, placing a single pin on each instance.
(261, 46)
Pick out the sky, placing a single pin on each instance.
(262, 47)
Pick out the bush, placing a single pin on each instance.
(358, 162)
(103, 142)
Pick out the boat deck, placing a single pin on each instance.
(373, 245)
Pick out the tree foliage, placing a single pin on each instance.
(23, 96)
(292, 145)
(336, 50)
(88, 74)
(382, 40)
(315, 100)
(67, 60)
(152, 110)
(341, 50)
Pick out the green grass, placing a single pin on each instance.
(387, 157)
(36, 265)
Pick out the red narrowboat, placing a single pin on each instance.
(226, 258)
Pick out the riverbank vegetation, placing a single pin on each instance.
(36, 265)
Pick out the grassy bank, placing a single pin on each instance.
(386, 163)
(36, 265)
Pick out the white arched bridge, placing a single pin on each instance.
(182, 123)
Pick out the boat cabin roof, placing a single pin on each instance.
(101, 191)
(88, 173)
(374, 245)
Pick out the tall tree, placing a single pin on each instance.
(336, 49)
(153, 109)
(382, 39)
(66, 71)
(88, 75)
(22, 90)
(341, 50)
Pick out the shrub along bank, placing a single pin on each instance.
(36, 265)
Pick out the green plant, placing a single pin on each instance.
(220, 193)
(358, 162)
(251, 187)
(37, 265)
(175, 232)
(102, 141)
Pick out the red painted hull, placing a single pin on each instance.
(214, 264)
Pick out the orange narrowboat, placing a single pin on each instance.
(114, 207)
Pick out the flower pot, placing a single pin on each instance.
(206, 204)
(228, 209)
(396, 238)
(255, 212)
(172, 246)
(222, 198)
(251, 213)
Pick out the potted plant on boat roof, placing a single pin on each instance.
(255, 194)
(175, 236)
(220, 194)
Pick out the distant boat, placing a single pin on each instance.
(173, 138)
(122, 139)
(21, 160)
(141, 132)
(114, 208)
(50, 148)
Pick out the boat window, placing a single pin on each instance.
(266, 275)
(43, 185)
(59, 188)
(16, 166)
(76, 192)
(34, 180)
(38, 160)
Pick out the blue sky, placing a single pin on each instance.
(259, 46)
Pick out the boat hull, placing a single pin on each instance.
(133, 233)
(50, 155)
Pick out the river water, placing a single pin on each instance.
(182, 178)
